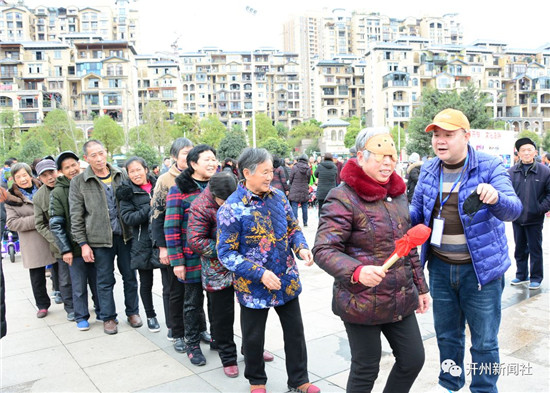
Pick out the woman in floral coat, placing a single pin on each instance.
(257, 234)
(360, 222)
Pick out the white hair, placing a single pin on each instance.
(363, 137)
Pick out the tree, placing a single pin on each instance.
(282, 130)
(147, 152)
(212, 131)
(9, 122)
(264, 129)
(276, 146)
(61, 131)
(546, 141)
(232, 145)
(310, 129)
(352, 131)
(186, 126)
(469, 101)
(109, 133)
(395, 134)
(140, 134)
(155, 118)
(32, 148)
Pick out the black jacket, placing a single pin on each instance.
(299, 182)
(135, 208)
(326, 174)
(533, 189)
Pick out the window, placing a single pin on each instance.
(93, 83)
(115, 83)
(35, 68)
(38, 56)
(5, 102)
(58, 70)
(57, 54)
(168, 93)
(112, 99)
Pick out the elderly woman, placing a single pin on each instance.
(257, 233)
(359, 224)
(20, 218)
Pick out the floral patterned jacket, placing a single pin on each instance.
(256, 234)
(201, 237)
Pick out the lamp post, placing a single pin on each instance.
(253, 12)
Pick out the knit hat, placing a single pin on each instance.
(45, 165)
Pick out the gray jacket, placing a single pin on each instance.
(90, 222)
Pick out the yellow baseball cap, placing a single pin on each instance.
(449, 120)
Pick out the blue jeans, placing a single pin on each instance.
(105, 266)
(294, 206)
(457, 300)
(82, 274)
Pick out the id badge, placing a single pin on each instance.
(437, 232)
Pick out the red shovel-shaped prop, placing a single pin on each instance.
(414, 237)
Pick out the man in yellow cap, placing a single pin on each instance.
(464, 196)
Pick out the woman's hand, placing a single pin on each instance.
(270, 280)
(307, 256)
(68, 258)
(163, 256)
(179, 272)
(423, 303)
(371, 276)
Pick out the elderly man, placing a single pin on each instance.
(101, 234)
(257, 235)
(531, 181)
(47, 173)
(465, 196)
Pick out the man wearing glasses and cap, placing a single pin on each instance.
(531, 181)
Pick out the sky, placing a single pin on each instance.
(229, 26)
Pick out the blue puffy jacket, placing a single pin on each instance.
(485, 232)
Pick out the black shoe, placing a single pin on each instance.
(195, 355)
(206, 337)
(179, 345)
(153, 325)
(169, 335)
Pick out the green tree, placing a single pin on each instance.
(546, 141)
(109, 133)
(282, 130)
(147, 152)
(61, 131)
(186, 126)
(155, 118)
(140, 134)
(433, 101)
(212, 131)
(532, 135)
(11, 136)
(237, 127)
(352, 131)
(395, 133)
(276, 146)
(264, 129)
(32, 148)
(310, 129)
(232, 145)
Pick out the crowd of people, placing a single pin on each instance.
(231, 230)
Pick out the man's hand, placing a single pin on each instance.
(423, 303)
(179, 272)
(163, 256)
(487, 193)
(270, 280)
(371, 276)
(87, 254)
(307, 256)
(68, 258)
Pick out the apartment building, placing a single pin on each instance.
(49, 23)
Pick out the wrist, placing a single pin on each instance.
(356, 274)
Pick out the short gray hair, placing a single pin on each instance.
(363, 137)
(18, 166)
(179, 144)
(90, 142)
(251, 157)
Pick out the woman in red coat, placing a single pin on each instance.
(359, 224)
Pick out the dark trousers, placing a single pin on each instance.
(146, 291)
(104, 261)
(177, 292)
(528, 240)
(304, 205)
(82, 275)
(221, 324)
(38, 284)
(253, 328)
(320, 205)
(193, 313)
(61, 271)
(366, 349)
(165, 275)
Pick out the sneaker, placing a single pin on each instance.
(534, 285)
(153, 325)
(517, 281)
(58, 299)
(70, 316)
(42, 313)
(83, 325)
(305, 388)
(268, 356)
(179, 345)
(257, 389)
(231, 371)
(169, 336)
(195, 355)
(206, 337)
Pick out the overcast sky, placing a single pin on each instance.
(227, 24)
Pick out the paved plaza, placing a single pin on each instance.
(51, 355)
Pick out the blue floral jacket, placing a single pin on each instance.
(258, 233)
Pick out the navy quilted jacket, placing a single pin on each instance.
(485, 232)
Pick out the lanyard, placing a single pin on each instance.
(441, 200)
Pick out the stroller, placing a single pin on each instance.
(10, 244)
(312, 202)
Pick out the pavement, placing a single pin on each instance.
(51, 355)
